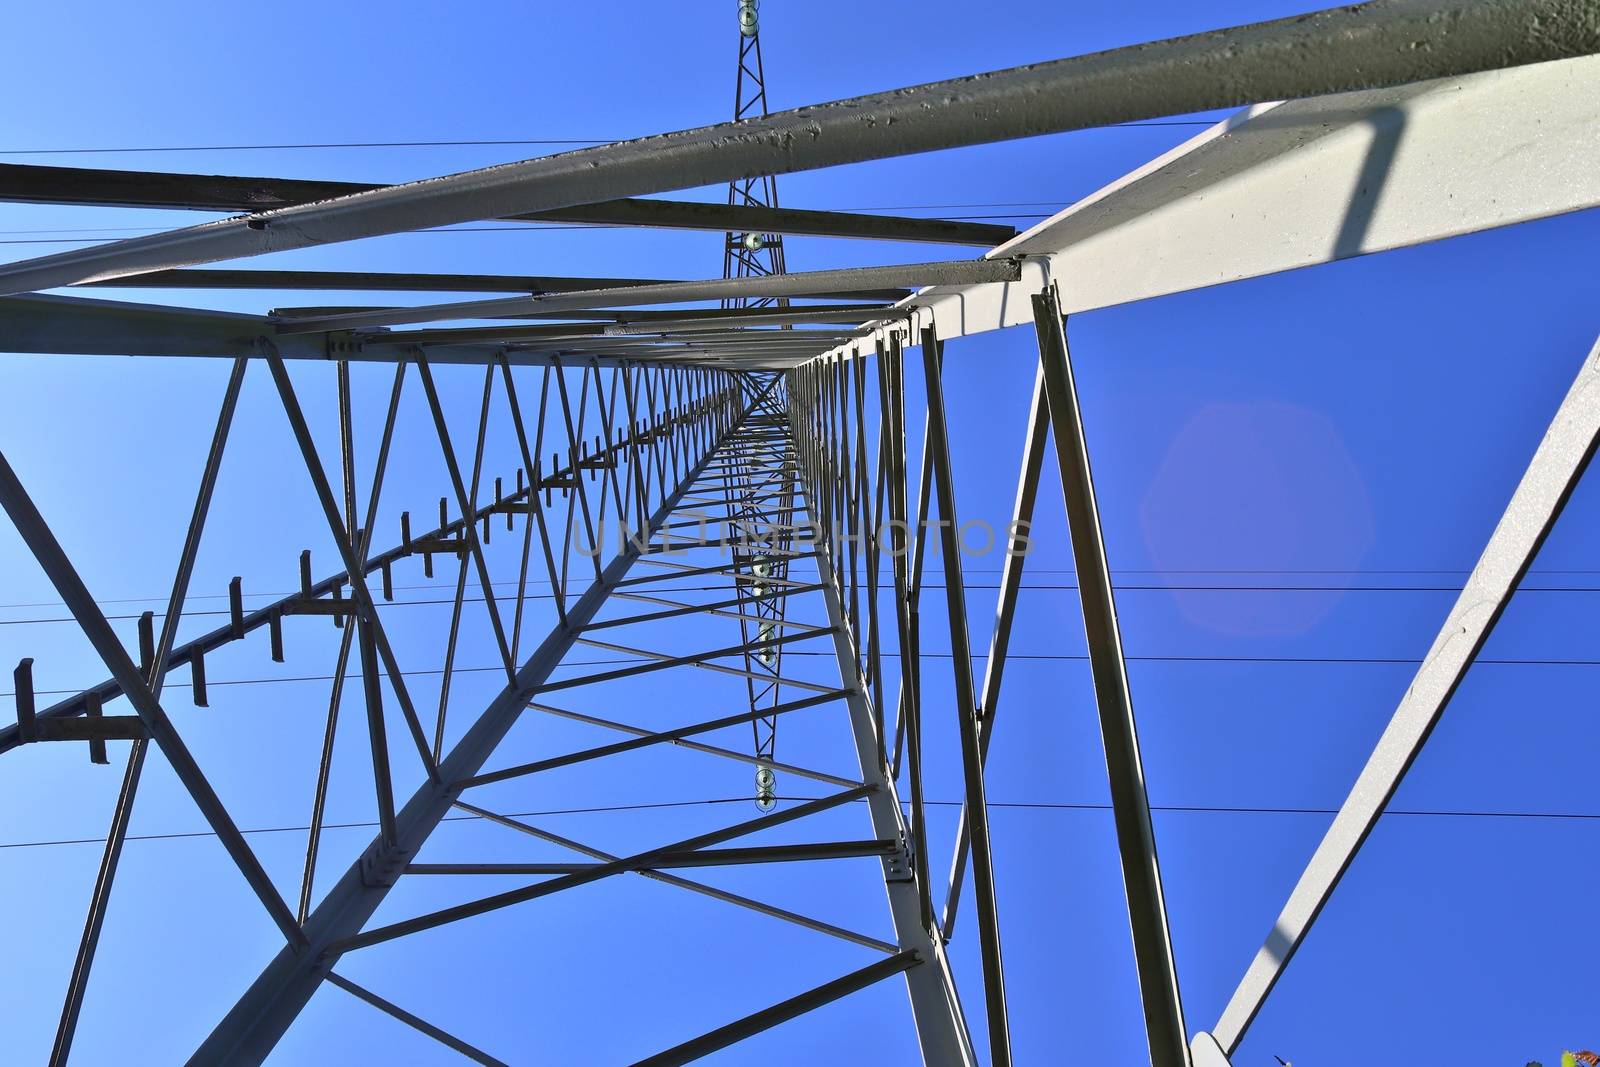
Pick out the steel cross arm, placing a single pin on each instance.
(22, 183)
(710, 750)
(684, 883)
(804, 283)
(646, 740)
(254, 1025)
(484, 905)
(1307, 55)
(766, 1019)
(42, 543)
(1554, 472)
(1130, 805)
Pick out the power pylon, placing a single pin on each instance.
(794, 441)
(768, 517)
(751, 253)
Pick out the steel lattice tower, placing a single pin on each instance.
(751, 253)
(770, 510)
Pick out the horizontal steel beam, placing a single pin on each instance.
(391, 282)
(749, 317)
(64, 325)
(1308, 182)
(29, 184)
(804, 283)
(883, 299)
(366, 281)
(1338, 50)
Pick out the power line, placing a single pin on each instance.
(1041, 657)
(932, 568)
(1149, 588)
(1014, 805)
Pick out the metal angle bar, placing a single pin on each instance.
(469, 1051)
(606, 320)
(372, 698)
(371, 691)
(941, 1025)
(696, 609)
(69, 325)
(1554, 472)
(325, 763)
(30, 184)
(664, 662)
(534, 507)
(977, 804)
(694, 887)
(366, 281)
(41, 542)
(472, 908)
(122, 814)
(247, 1034)
(1035, 444)
(469, 531)
(574, 446)
(645, 741)
(458, 601)
(358, 582)
(805, 283)
(1305, 55)
(696, 746)
(796, 1006)
(1136, 844)
(691, 572)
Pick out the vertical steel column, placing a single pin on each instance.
(1136, 842)
(941, 1026)
(977, 804)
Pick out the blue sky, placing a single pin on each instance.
(1351, 431)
